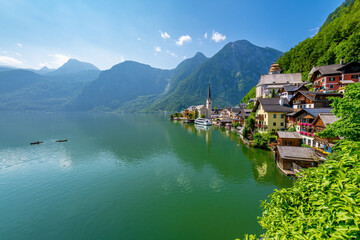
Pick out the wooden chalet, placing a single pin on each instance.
(291, 159)
(312, 99)
(289, 91)
(288, 138)
(324, 146)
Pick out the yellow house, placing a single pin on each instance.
(270, 114)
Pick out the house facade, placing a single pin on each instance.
(312, 99)
(288, 139)
(332, 77)
(270, 114)
(320, 123)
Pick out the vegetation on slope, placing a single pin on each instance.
(338, 38)
(325, 201)
(250, 94)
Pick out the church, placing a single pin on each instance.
(206, 109)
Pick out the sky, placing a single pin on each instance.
(161, 33)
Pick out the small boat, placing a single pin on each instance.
(62, 140)
(203, 121)
(37, 142)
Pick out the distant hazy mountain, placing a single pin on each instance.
(123, 82)
(73, 66)
(232, 72)
(44, 70)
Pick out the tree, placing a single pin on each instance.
(190, 115)
(273, 93)
(250, 121)
(202, 115)
(196, 113)
(348, 110)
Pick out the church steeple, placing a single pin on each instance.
(209, 92)
(208, 105)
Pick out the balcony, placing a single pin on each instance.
(299, 102)
(259, 117)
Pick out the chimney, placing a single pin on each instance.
(281, 101)
(342, 61)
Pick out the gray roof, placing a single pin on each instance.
(297, 153)
(327, 70)
(273, 105)
(293, 88)
(283, 134)
(312, 111)
(275, 86)
(280, 79)
(312, 95)
(328, 118)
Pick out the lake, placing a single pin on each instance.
(128, 176)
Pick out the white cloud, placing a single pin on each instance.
(120, 59)
(157, 49)
(59, 60)
(182, 39)
(18, 54)
(205, 35)
(19, 45)
(139, 39)
(9, 60)
(171, 53)
(218, 37)
(184, 57)
(164, 35)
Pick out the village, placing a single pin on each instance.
(285, 114)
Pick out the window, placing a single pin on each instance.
(340, 78)
(322, 80)
(282, 124)
(331, 86)
(354, 76)
(274, 124)
(282, 115)
(331, 79)
(274, 115)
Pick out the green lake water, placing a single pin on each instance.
(128, 177)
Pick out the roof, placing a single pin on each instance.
(293, 88)
(274, 86)
(273, 105)
(328, 118)
(312, 111)
(199, 106)
(280, 79)
(312, 95)
(297, 153)
(328, 69)
(283, 134)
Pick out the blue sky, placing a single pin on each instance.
(159, 33)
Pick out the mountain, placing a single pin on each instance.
(73, 66)
(232, 72)
(123, 82)
(44, 70)
(338, 38)
(181, 72)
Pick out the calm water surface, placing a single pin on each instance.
(128, 177)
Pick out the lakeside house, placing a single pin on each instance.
(332, 77)
(291, 160)
(288, 139)
(320, 123)
(312, 99)
(275, 81)
(270, 113)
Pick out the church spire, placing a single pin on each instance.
(209, 92)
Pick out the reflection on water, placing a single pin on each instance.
(128, 176)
